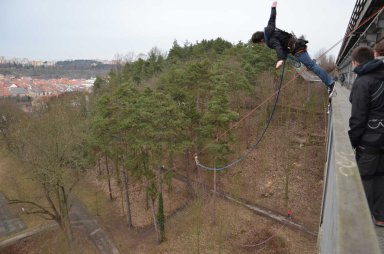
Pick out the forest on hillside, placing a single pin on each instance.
(140, 125)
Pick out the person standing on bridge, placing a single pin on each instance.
(366, 125)
(379, 50)
(285, 43)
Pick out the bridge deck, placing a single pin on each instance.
(380, 236)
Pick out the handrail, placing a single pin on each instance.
(345, 225)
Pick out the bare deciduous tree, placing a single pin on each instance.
(51, 145)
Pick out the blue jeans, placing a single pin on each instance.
(305, 59)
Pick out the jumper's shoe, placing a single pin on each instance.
(329, 108)
(379, 223)
(331, 90)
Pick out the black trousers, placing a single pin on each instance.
(370, 162)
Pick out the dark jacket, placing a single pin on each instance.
(367, 97)
(280, 40)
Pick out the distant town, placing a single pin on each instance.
(18, 85)
(15, 81)
(11, 86)
(25, 86)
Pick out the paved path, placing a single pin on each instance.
(380, 236)
(8, 222)
(26, 234)
(81, 216)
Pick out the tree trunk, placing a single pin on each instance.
(99, 167)
(286, 187)
(286, 196)
(154, 219)
(146, 196)
(161, 219)
(127, 201)
(214, 198)
(118, 180)
(198, 102)
(117, 171)
(109, 178)
(189, 185)
(65, 222)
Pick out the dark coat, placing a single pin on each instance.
(279, 40)
(367, 98)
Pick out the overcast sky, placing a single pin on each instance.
(98, 29)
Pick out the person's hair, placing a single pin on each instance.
(257, 37)
(379, 48)
(362, 54)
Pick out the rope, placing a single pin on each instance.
(293, 59)
(249, 150)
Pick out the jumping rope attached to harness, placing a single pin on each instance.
(253, 147)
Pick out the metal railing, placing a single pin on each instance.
(345, 225)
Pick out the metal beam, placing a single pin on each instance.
(358, 15)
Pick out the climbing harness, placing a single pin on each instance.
(373, 124)
(249, 150)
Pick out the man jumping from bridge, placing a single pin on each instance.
(285, 43)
